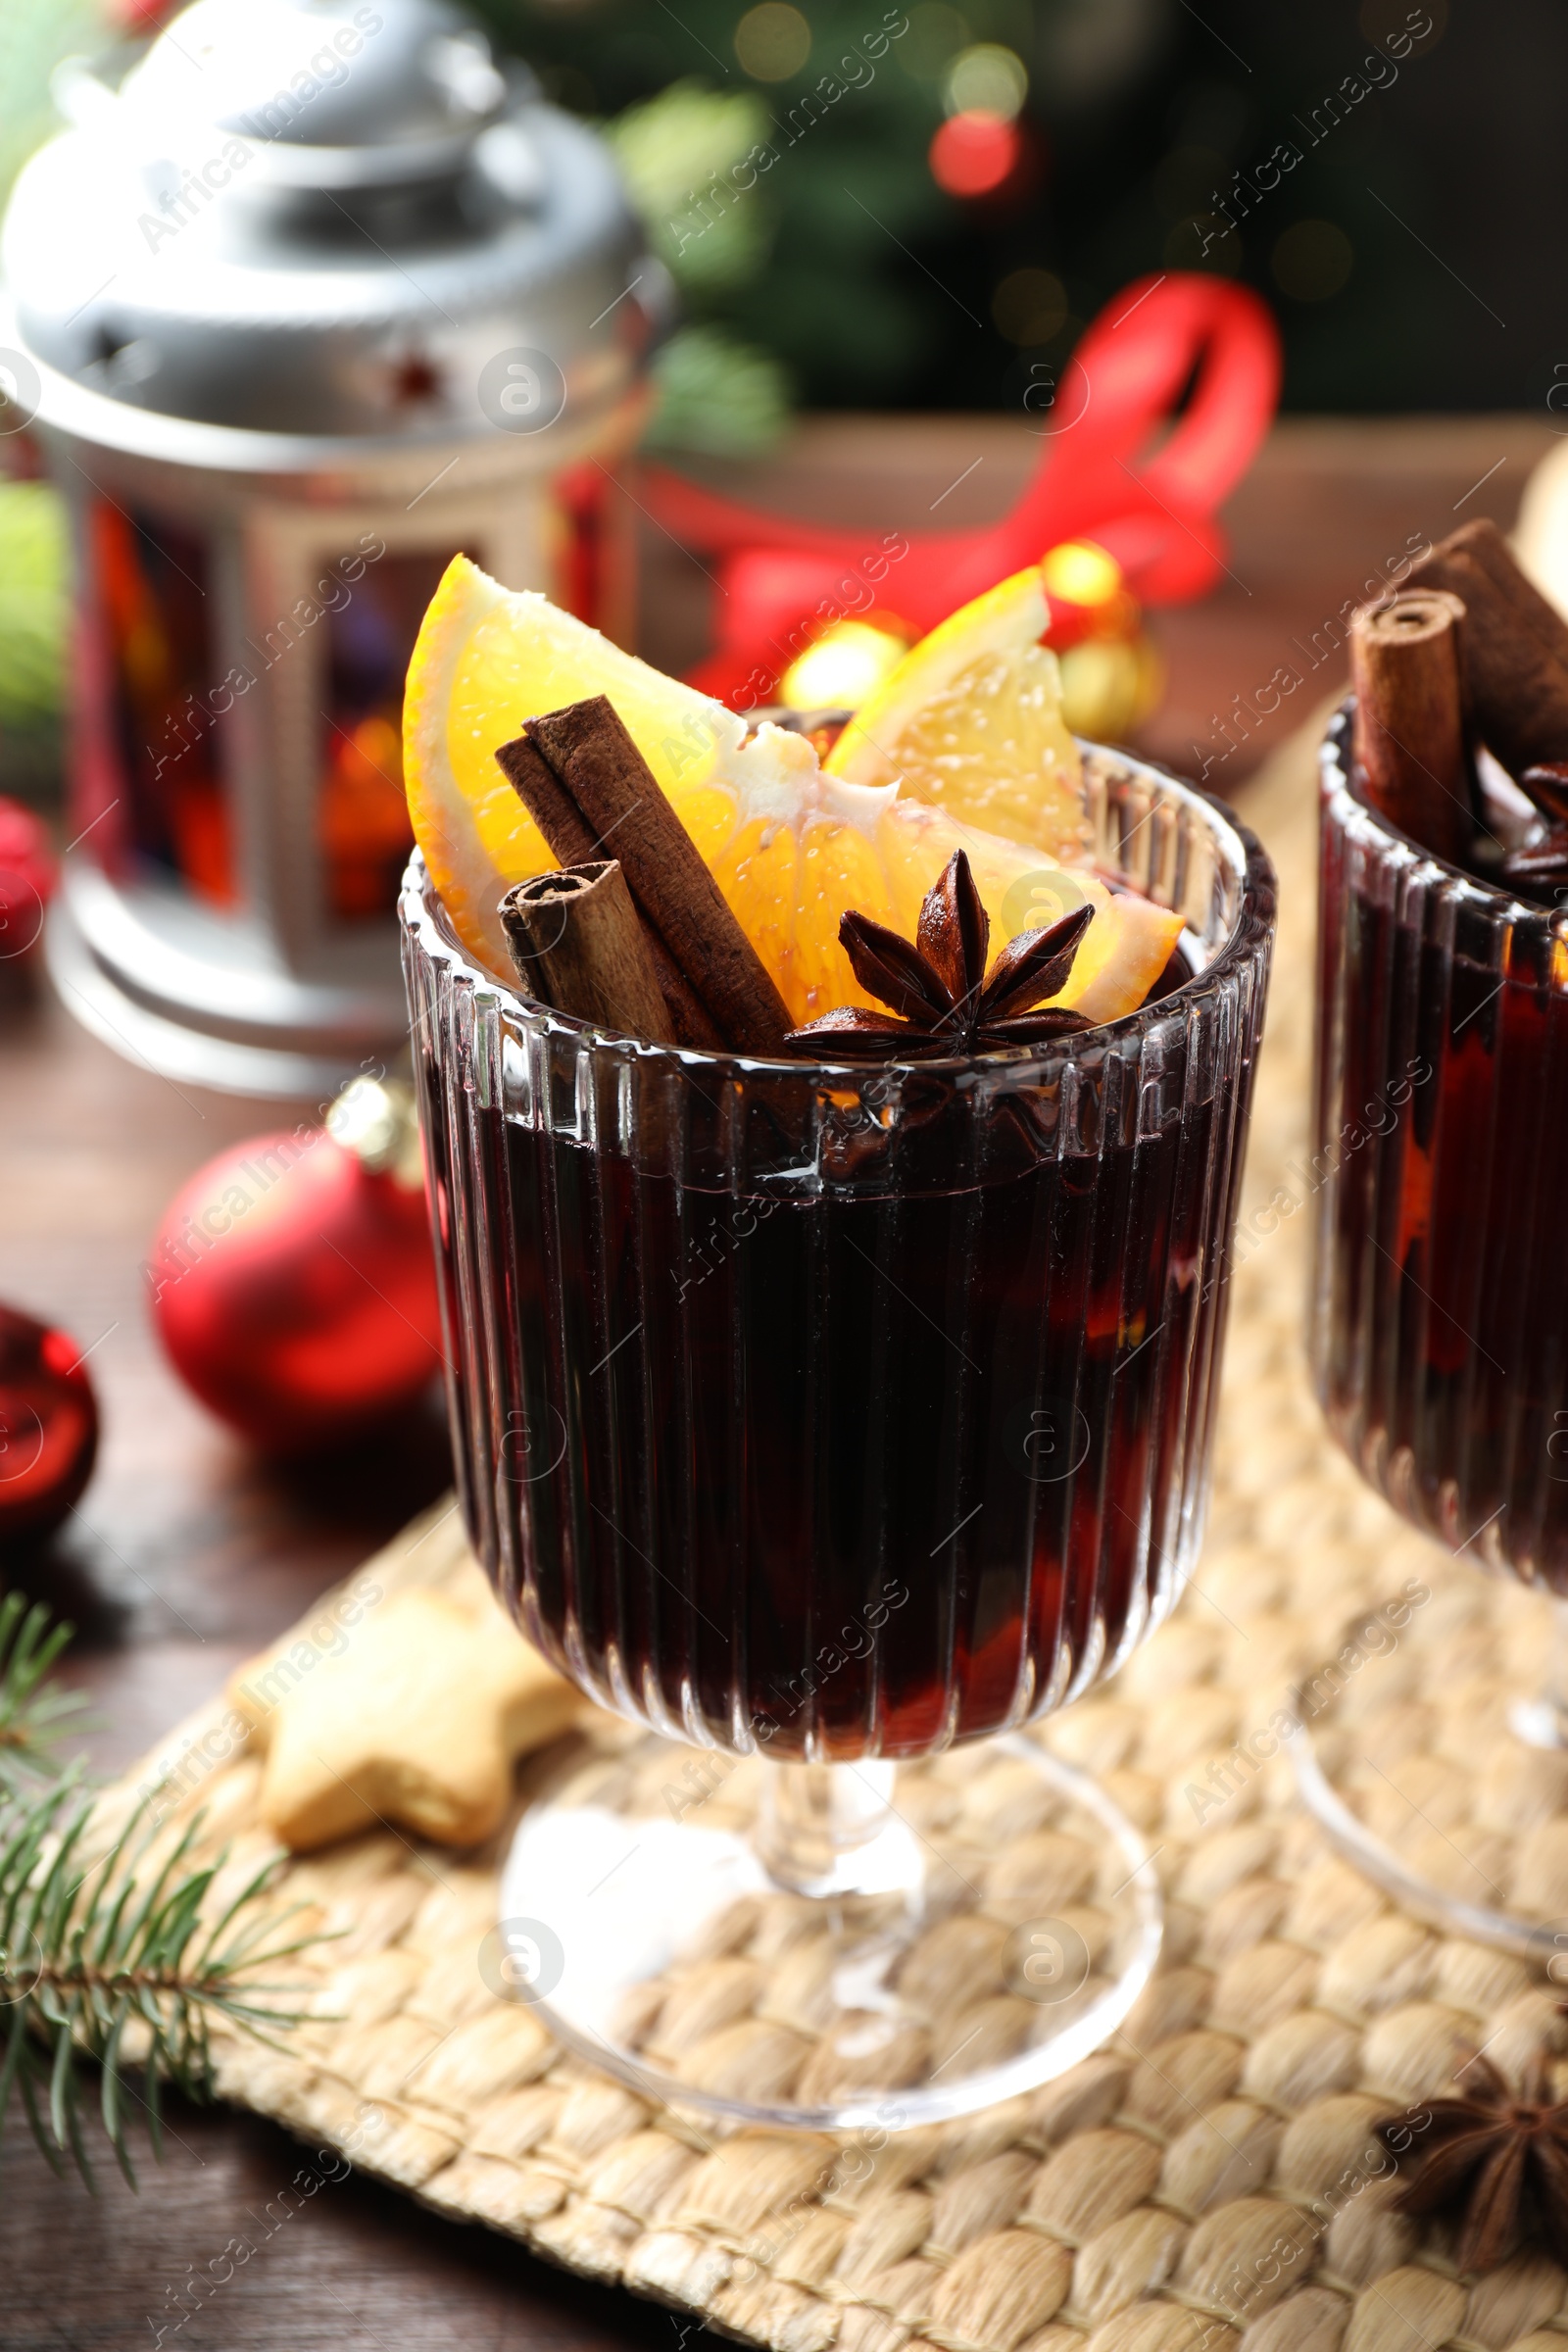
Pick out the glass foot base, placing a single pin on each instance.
(832, 1947)
(1432, 1756)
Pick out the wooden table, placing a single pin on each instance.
(186, 1555)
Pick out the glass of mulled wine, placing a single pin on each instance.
(822, 1422)
(1439, 1349)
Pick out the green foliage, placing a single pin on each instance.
(107, 1950)
(718, 394)
(34, 602)
(686, 140)
(680, 153)
(34, 1711)
(804, 258)
(35, 36)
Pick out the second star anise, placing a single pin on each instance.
(1492, 2160)
(937, 984)
(1543, 865)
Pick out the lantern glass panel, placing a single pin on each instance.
(362, 818)
(156, 590)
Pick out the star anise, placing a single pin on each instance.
(1542, 863)
(1547, 786)
(1492, 2160)
(938, 984)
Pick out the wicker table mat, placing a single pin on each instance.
(1204, 2177)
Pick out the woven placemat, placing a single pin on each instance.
(1205, 2177)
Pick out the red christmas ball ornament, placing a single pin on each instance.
(48, 1427)
(292, 1281)
(26, 879)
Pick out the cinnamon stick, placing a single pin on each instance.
(1483, 541)
(1515, 646)
(590, 753)
(1409, 719)
(574, 842)
(578, 944)
(548, 801)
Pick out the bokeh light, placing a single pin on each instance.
(847, 659)
(1080, 574)
(972, 154)
(986, 79)
(1110, 684)
(772, 41)
(1029, 305)
(1311, 261)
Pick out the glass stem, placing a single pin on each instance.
(823, 1829)
(1543, 1720)
(1554, 1687)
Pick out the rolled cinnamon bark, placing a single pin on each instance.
(1483, 541)
(1409, 719)
(548, 801)
(1515, 646)
(573, 840)
(578, 944)
(595, 758)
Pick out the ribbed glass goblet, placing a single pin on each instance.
(1440, 1346)
(828, 1419)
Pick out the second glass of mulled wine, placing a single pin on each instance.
(827, 1420)
(1440, 1346)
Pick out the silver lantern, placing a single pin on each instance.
(308, 295)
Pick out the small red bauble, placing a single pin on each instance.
(292, 1281)
(973, 154)
(48, 1427)
(26, 879)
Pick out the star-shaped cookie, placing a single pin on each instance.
(417, 1721)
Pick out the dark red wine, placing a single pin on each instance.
(845, 1414)
(1440, 1316)
(847, 1476)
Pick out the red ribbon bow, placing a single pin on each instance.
(1152, 508)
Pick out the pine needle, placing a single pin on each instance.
(100, 1957)
(36, 1712)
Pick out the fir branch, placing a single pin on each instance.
(93, 1955)
(35, 1710)
(112, 1960)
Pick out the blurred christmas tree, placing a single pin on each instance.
(716, 390)
(35, 583)
(34, 613)
(34, 36)
(796, 171)
(34, 600)
(944, 225)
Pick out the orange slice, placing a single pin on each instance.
(790, 847)
(970, 721)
